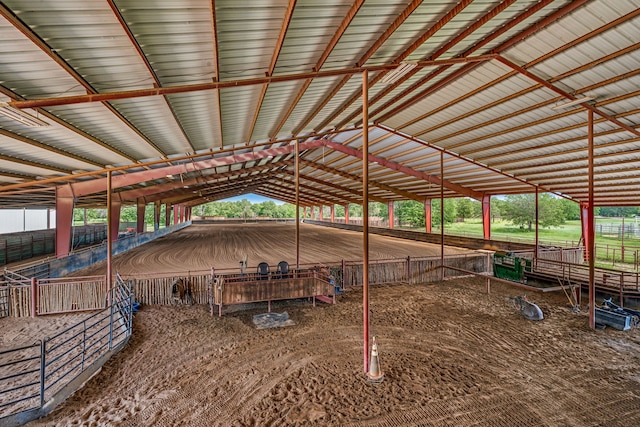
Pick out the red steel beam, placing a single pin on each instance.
(355, 7)
(406, 170)
(363, 59)
(216, 70)
(444, 49)
(566, 94)
(274, 58)
(415, 45)
(137, 93)
(143, 57)
(98, 185)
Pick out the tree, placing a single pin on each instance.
(464, 207)
(449, 211)
(497, 208)
(520, 209)
(570, 209)
(410, 212)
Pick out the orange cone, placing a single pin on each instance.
(374, 375)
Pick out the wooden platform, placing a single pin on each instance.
(241, 289)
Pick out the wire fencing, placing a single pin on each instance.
(49, 370)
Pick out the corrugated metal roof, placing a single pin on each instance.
(493, 117)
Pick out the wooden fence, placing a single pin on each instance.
(415, 270)
(53, 296)
(89, 293)
(65, 295)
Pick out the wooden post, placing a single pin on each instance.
(34, 297)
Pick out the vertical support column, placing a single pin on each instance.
(297, 178)
(321, 207)
(304, 212)
(590, 236)
(428, 223)
(64, 219)
(442, 215)
(48, 218)
(176, 214)
(486, 217)
(156, 215)
(346, 214)
(110, 233)
(167, 214)
(584, 223)
(365, 216)
(332, 210)
(537, 240)
(140, 214)
(390, 211)
(114, 209)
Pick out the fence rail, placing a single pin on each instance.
(35, 378)
(415, 270)
(24, 245)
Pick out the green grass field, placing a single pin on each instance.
(609, 241)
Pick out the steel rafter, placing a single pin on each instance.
(274, 59)
(415, 45)
(356, 178)
(143, 57)
(216, 71)
(363, 59)
(44, 47)
(406, 170)
(444, 49)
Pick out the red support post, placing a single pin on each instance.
(140, 215)
(346, 214)
(584, 222)
(427, 215)
(333, 213)
(365, 217)
(320, 212)
(115, 218)
(486, 217)
(64, 219)
(391, 218)
(176, 214)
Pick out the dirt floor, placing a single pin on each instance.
(452, 355)
(200, 247)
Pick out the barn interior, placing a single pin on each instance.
(320, 103)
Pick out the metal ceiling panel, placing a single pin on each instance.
(493, 118)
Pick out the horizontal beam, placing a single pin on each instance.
(99, 185)
(137, 93)
(405, 170)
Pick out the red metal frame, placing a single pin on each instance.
(486, 217)
(64, 219)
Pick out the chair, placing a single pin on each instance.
(263, 271)
(282, 271)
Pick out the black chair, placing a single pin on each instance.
(282, 271)
(263, 271)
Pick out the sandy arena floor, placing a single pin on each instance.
(202, 246)
(452, 355)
